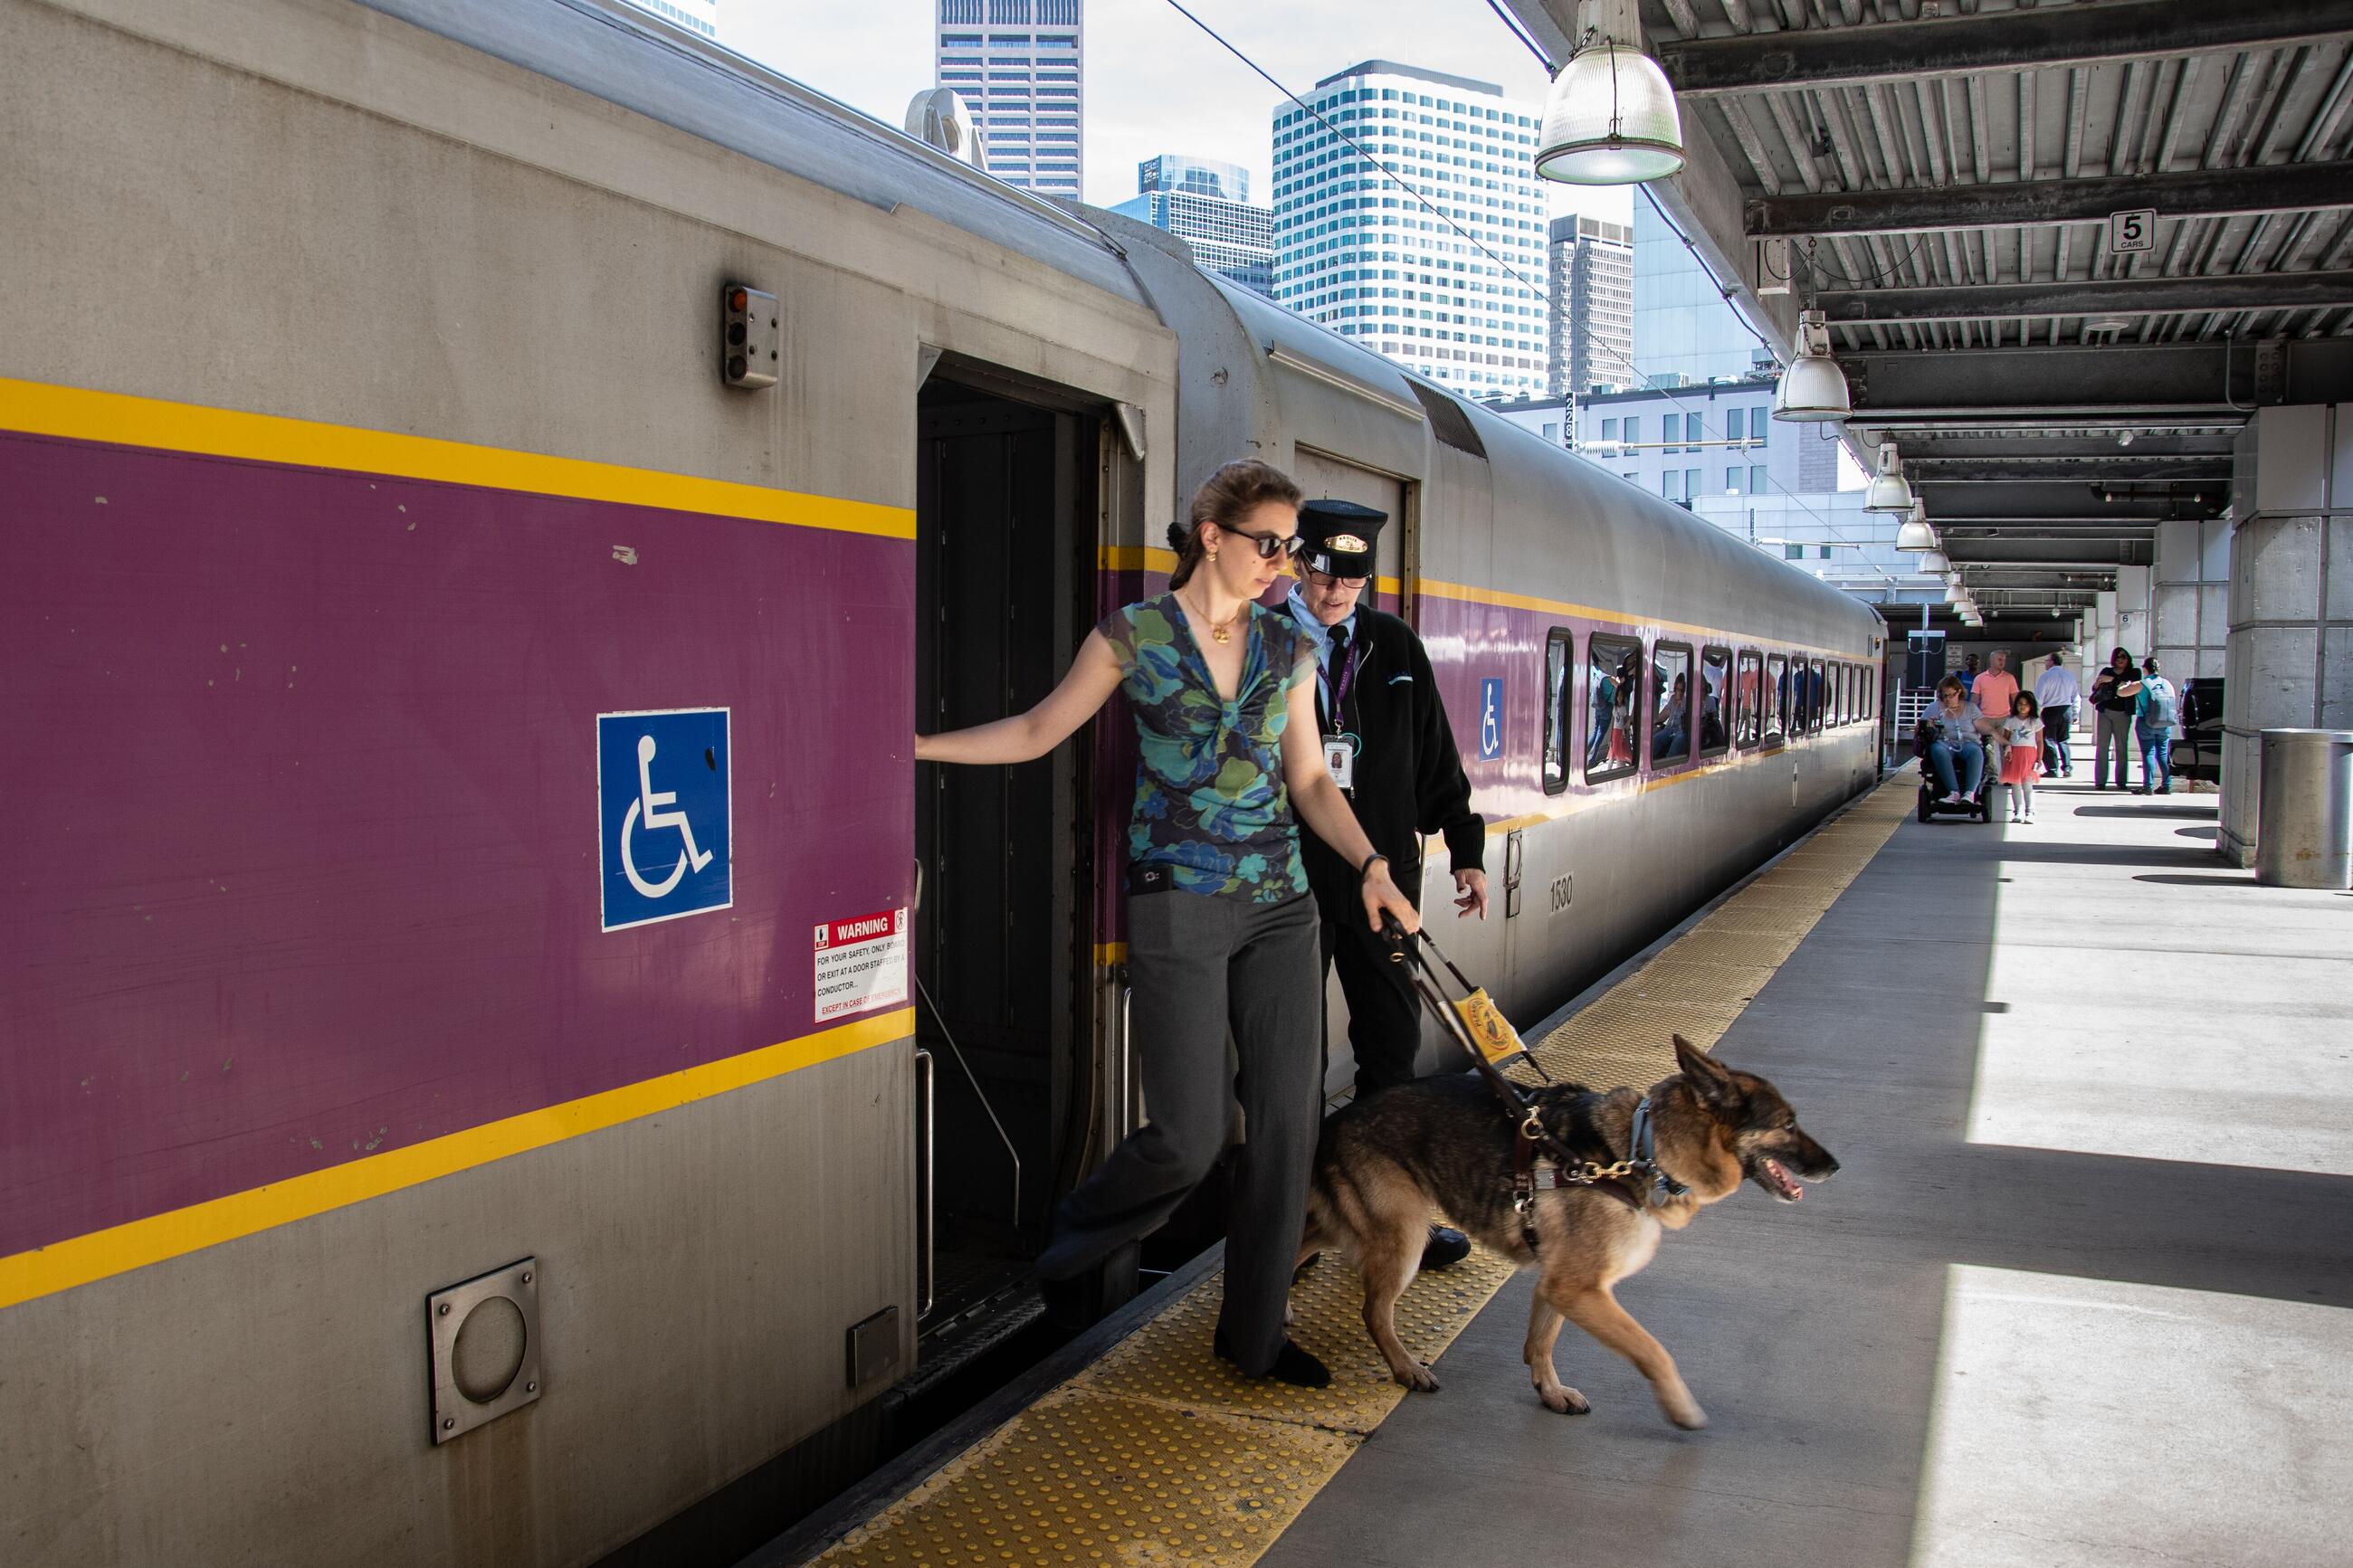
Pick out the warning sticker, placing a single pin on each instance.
(861, 964)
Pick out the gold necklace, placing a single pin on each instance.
(1222, 630)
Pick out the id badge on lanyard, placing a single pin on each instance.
(1340, 756)
(1340, 749)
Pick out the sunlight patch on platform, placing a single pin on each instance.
(2102, 1425)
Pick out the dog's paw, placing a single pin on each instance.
(1685, 1412)
(1565, 1400)
(1421, 1379)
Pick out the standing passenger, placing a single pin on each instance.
(2057, 693)
(2153, 718)
(1388, 745)
(1221, 929)
(2021, 753)
(2115, 692)
(1997, 689)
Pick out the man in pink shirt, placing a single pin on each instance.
(1996, 690)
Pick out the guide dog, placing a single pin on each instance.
(1386, 1163)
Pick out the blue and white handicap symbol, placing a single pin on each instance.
(662, 816)
(1491, 720)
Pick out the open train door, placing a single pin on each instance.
(1005, 532)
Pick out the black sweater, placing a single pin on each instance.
(1408, 776)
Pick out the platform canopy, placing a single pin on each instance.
(2065, 247)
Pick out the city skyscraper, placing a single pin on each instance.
(1365, 258)
(1207, 203)
(1685, 333)
(1016, 62)
(1592, 305)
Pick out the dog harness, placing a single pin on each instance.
(1538, 1158)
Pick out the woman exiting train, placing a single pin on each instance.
(1221, 930)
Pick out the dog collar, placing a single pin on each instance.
(1642, 1148)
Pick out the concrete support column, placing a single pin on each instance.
(2132, 610)
(2191, 598)
(2290, 650)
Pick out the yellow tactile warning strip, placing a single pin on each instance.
(1160, 1453)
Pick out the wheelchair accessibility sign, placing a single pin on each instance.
(663, 815)
(1491, 720)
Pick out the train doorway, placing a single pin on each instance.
(1006, 509)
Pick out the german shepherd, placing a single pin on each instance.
(1386, 1163)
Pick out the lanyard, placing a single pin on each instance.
(1336, 688)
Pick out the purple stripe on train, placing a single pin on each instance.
(302, 787)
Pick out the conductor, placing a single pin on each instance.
(1388, 742)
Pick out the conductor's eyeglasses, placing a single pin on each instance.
(1270, 545)
(1335, 578)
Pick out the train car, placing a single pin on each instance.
(501, 1039)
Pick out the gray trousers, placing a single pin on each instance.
(2115, 730)
(1198, 967)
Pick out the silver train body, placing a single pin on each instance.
(317, 238)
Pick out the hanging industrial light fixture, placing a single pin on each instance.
(1813, 389)
(1610, 117)
(1915, 534)
(1935, 561)
(1889, 491)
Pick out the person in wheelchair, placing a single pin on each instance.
(1953, 734)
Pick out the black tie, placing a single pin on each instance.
(1339, 663)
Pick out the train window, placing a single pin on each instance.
(1714, 701)
(1557, 713)
(1613, 683)
(1777, 698)
(1671, 703)
(1871, 693)
(1814, 698)
(1845, 693)
(1747, 698)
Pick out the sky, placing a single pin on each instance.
(1154, 82)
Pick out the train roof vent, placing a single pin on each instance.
(940, 116)
(1447, 421)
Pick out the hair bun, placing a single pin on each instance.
(1177, 534)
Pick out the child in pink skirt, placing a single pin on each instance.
(2021, 754)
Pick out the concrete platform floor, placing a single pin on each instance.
(2082, 1295)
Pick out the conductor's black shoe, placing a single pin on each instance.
(1447, 1248)
(1292, 1364)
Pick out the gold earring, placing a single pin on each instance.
(1213, 556)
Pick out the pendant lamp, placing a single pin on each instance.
(1610, 117)
(1813, 389)
(1935, 561)
(1889, 491)
(1915, 534)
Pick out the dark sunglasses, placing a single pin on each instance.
(1270, 545)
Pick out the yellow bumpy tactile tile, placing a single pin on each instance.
(1172, 1361)
(1086, 1476)
(1161, 1454)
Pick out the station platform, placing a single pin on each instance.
(2083, 1292)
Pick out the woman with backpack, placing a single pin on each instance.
(2153, 718)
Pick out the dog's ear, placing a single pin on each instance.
(1709, 1079)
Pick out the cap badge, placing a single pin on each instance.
(1346, 544)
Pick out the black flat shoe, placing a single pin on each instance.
(1448, 1247)
(1292, 1364)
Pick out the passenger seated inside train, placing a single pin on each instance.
(1955, 734)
